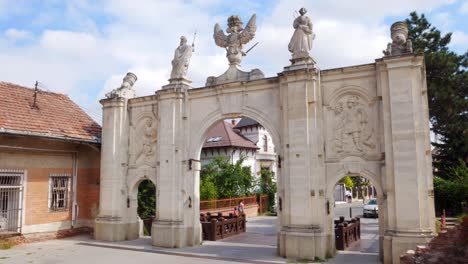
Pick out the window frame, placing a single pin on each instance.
(66, 189)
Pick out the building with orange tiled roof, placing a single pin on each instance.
(49, 163)
(246, 138)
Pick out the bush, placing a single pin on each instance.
(451, 191)
(146, 199)
(268, 186)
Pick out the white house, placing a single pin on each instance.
(246, 138)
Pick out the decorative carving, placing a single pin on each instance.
(351, 129)
(301, 40)
(126, 89)
(238, 36)
(400, 42)
(181, 60)
(148, 137)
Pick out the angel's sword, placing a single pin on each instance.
(251, 48)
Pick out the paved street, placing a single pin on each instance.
(257, 245)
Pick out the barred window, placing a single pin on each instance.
(59, 191)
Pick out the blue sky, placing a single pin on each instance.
(84, 48)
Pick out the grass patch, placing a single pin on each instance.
(438, 226)
(460, 218)
(318, 259)
(270, 214)
(5, 244)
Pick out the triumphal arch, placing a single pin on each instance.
(369, 120)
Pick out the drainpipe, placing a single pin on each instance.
(74, 182)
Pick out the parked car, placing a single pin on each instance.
(371, 209)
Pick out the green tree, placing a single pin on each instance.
(348, 182)
(447, 91)
(359, 182)
(268, 186)
(230, 180)
(146, 199)
(452, 194)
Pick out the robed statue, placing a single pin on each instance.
(181, 60)
(301, 41)
(236, 38)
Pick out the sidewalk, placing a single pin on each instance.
(257, 246)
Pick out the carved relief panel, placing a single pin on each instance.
(143, 137)
(351, 127)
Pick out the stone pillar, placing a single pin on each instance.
(169, 228)
(111, 224)
(408, 169)
(303, 213)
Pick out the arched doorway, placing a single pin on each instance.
(364, 187)
(233, 146)
(146, 206)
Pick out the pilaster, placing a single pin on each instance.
(301, 234)
(111, 224)
(169, 228)
(410, 202)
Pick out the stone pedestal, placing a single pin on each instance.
(302, 243)
(234, 74)
(114, 229)
(180, 83)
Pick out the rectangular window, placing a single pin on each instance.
(59, 191)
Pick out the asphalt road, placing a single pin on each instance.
(343, 209)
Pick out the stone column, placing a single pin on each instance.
(111, 223)
(302, 217)
(169, 228)
(408, 165)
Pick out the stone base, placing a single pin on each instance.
(180, 83)
(114, 230)
(301, 63)
(173, 234)
(234, 74)
(302, 243)
(397, 244)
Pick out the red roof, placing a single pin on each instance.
(223, 135)
(55, 115)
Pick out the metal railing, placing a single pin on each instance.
(227, 203)
(11, 194)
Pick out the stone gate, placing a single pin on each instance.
(369, 120)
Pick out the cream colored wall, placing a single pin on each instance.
(308, 113)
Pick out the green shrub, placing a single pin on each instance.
(451, 191)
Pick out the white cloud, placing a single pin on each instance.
(86, 59)
(464, 8)
(16, 34)
(459, 40)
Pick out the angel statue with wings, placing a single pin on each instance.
(238, 36)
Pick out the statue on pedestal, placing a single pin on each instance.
(238, 36)
(400, 42)
(181, 60)
(126, 89)
(233, 43)
(301, 41)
